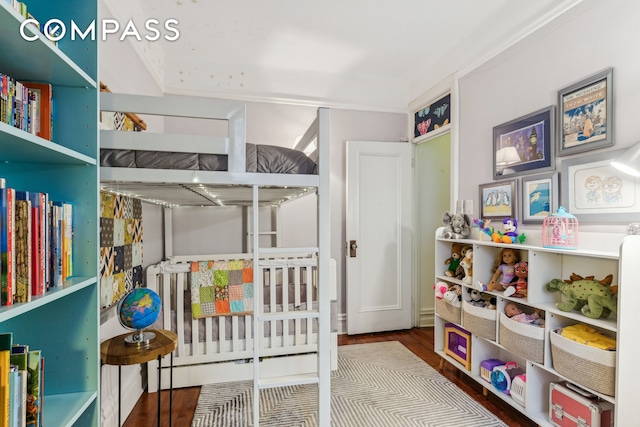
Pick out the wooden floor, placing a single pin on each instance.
(418, 340)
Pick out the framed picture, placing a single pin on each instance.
(539, 197)
(595, 191)
(524, 145)
(431, 117)
(586, 114)
(498, 200)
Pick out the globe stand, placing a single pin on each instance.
(140, 338)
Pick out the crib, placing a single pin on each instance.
(219, 349)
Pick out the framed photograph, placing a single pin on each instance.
(431, 117)
(525, 145)
(498, 200)
(595, 191)
(539, 197)
(586, 114)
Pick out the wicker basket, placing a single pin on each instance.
(479, 320)
(591, 367)
(526, 341)
(448, 311)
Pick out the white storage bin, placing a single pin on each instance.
(479, 320)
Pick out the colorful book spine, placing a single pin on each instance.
(23, 249)
(6, 294)
(19, 359)
(34, 367)
(14, 395)
(5, 365)
(68, 239)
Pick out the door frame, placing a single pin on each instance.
(447, 86)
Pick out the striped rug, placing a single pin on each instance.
(378, 384)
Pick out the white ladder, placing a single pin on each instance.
(322, 376)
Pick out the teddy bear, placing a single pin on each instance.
(467, 265)
(454, 261)
(457, 225)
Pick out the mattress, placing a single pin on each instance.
(260, 158)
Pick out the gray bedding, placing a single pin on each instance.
(260, 158)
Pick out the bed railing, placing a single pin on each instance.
(233, 145)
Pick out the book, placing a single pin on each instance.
(68, 240)
(23, 250)
(42, 91)
(19, 359)
(33, 387)
(4, 387)
(14, 395)
(38, 233)
(6, 244)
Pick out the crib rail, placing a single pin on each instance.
(286, 284)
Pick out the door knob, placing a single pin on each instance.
(352, 248)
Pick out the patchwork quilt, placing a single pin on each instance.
(221, 288)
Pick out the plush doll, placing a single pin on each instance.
(457, 225)
(440, 288)
(510, 234)
(593, 298)
(454, 260)
(475, 298)
(453, 295)
(504, 268)
(467, 265)
(522, 273)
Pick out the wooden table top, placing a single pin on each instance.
(115, 351)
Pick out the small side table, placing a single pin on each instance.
(114, 351)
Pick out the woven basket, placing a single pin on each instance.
(583, 364)
(447, 311)
(479, 320)
(526, 341)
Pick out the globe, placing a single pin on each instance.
(139, 309)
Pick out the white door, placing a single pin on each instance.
(379, 236)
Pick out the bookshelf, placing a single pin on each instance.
(64, 323)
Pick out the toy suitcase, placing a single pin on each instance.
(570, 407)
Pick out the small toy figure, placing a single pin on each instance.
(522, 273)
(514, 312)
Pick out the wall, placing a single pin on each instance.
(594, 36)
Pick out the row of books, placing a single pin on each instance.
(26, 105)
(21, 384)
(36, 243)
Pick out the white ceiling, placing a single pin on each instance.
(372, 55)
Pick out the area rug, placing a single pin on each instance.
(378, 384)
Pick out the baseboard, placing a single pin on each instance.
(427, 318)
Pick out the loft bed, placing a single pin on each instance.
(242, 185)
(202, 170)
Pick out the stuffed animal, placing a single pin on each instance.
(522, 273)
(475, 298)
(593, 298)
(453, 295)
(492, 303)
(454, 260)
(440, 288)
(457, 225)
(467, 265)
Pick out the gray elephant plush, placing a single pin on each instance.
(457, 225)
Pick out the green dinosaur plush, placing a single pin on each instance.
(593, 298)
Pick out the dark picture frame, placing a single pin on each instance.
(498, 199)
(431, 117)
(540, 197)
(585, 114)
(525, 145)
